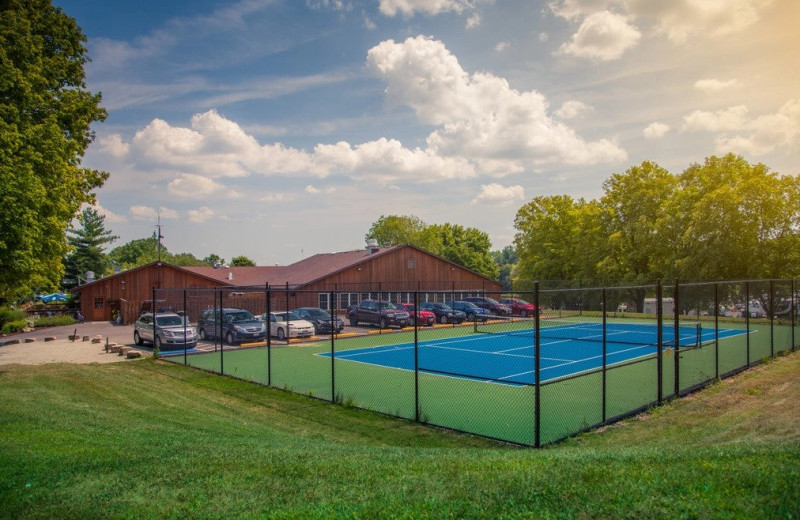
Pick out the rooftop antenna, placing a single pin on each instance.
(160, 236)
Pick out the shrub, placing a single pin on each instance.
(8, 314)
(54, 321)
(14, 326)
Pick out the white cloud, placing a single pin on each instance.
(711, 85)
(139, 212)
(478, 116)
(501, 46)
(604, 36)
(498, 195)
(200, 215)
(191, 186)
(740, 134)
(473, 21)
(431, 7)
(732, 118)
(655, 130)
(572, 109)
(110, 216)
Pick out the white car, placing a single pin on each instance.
(170, 331)
(285, 325)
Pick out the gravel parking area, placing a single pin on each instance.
(52, 345)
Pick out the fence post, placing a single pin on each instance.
(537, 342)
(267, 307)
(716, 330)
(659, 341)
(747, 318)
(185, 329)
(416, 357)
(772, 318)
(605, 349)
(677, 339)
(333, 348)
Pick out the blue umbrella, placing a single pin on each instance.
(50, 298)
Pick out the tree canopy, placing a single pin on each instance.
(722, 219)
(45, 117)
(468, 247)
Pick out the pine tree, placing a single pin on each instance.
(87, 246)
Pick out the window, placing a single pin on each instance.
(412, 263)
(324, 301)
(99, 303)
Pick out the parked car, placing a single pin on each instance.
(169, 332)
(490, 304)
(238, 326)
(421, 316)
(444, 313)
(284, 325)
(471, 311)
(380, 313)
(519, 307)
(321, 319)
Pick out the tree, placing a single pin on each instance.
(88, 243)
(506, 261)
(393, 230)
(559, 238)
(242, 261)
(213, 259)
(45, 118)
(137, 252)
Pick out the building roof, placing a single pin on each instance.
(300, 273)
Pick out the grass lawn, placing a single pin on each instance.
(157, 440)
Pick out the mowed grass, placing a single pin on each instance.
(149, 439)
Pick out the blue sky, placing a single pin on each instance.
(278, 129)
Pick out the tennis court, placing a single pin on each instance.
(505, 353)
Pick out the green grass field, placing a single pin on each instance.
(149, 439)
(493, 410)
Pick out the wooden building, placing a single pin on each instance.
(393, 273)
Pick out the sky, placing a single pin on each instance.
(279, 129)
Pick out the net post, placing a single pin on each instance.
(660, 340)
(537, 370)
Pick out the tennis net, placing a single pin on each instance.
(588, 330)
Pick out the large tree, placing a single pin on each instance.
(45, 117)
(88, 243)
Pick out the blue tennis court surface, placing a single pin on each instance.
(508, 357)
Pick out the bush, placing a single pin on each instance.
(14, 326)
(8, 314)
(54, 321)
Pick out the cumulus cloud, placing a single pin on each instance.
(473, 21)
(431, 7)
(714, 85)
(499, 195)
(110, 216)
(478, 115)
(655, 130)
(738, 133)
(604, 36)
(139, 212)
(501, 46)
(572, 109)
(200, 215)
(192, 186)
(680, 21)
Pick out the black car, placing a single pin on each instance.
(472, 311)
(444, 314)
(238, 326)
(321, 320)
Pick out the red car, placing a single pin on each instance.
(519, 307)
(426, 318)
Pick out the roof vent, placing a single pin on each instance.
(230, 275)
(372, 245)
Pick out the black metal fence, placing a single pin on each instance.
(585, 357)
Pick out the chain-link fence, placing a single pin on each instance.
(531, 367)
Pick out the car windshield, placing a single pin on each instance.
(387, 305)
(235, 317)
(283, 316)
(169, 321)
(318, 313)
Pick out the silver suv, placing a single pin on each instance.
(169, 333)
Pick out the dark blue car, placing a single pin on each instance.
(472, 311)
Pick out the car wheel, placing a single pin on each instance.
(470, 317)
(382, 323)
(158, 343)
(230, 339)
(524, 313)
(443, 319)
(353, 322)
(281, 335)
(202, 334)
(137, 338)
